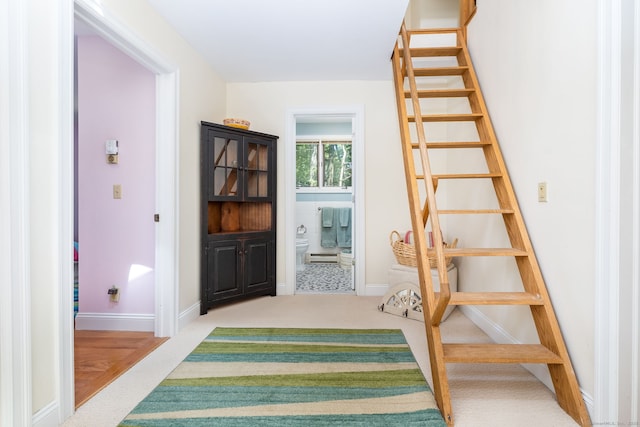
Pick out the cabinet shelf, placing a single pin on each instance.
(232, 217)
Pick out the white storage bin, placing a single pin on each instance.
(399, 274)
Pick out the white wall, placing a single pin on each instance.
(540, 87)
(266, 105)
(432, 14)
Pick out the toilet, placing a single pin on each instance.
(302, 245)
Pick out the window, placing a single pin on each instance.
(323, 164)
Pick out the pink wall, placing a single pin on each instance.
(116, 100)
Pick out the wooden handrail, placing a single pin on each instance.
(467, 11)
(442, 302)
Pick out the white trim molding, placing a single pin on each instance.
(47, 416)
(167, 202)
(65, 87)
(617, 239)
(189, 315)
(607, 213)
(635, 314)
(15, 304)
(115, 322)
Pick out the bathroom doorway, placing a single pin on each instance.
(324, 152)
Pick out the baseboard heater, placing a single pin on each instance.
(314, 258)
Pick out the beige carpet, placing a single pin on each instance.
(482, 395)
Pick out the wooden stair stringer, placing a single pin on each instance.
(440, 383)
(552, 350)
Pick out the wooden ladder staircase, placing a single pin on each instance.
(421, 187)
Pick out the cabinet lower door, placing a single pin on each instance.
(224, 270)
(258, 265)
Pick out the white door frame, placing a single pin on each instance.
(15, 304)
(617, 329)
(355, 112)
(166, 265)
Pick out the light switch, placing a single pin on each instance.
(117, 191)
(542, 192)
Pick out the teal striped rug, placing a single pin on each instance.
(293, 377)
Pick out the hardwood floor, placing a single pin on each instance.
(102, 356)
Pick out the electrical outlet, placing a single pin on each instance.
(117, 191)
(114, 294)
(542, 192)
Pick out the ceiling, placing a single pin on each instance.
(290, 40)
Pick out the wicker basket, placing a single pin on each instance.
(237, 123)
(406, 253)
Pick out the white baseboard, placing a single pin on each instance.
(501, 336)
(375, 290)
(281, 289)
(47, 416)
(115, 322)
(188, 315)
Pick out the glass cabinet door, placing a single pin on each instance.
(257, 169)
(225, 167)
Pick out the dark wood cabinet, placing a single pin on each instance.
(238, 207)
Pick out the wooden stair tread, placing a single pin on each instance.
(465, 252)
(499, 353)
(474, 211)
(432, 51)
(462, 176)
(467, 175)
(440, 71)
(470, 117)
(441, 93)
(418, 31)
(452, 144)
(494, 298)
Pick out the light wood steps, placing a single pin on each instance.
(452, 144)
(423, 52)
(489, 252)
(462, 176)
(474, 211)
(472, 117)
(499, 353)
(494, 298)
(441, 93)
(423, 209)
(440, 71)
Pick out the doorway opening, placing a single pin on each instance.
(325, 201)
(114, 235)
(164, 322)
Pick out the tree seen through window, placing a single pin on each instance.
(323, 164)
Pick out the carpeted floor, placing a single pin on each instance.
(293, 377)
(327, 278)
(482, 395)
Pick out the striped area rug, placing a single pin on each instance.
(293, 377)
